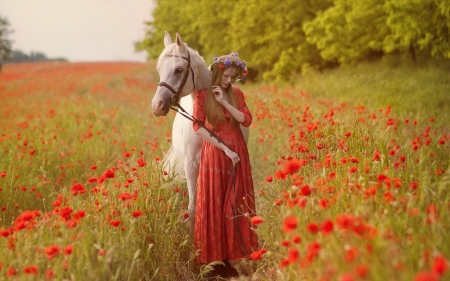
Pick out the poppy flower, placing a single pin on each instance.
(292, 166)
(114, 223)
(256, 220)
(312, 227)
(289, 224)
(32, 269)
(326, 226)
(52, 251)
(296, 239)
(137, 213)
(68, 250)
(293, 255)
(440, 265)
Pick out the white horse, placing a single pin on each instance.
(182, 73)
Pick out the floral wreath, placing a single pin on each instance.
(230, 60)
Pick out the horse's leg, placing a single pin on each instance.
(191, 170)
(192, 146)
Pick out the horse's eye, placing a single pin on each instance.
(179, 70)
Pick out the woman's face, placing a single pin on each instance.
(228, 77)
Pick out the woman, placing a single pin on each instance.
(225, 196)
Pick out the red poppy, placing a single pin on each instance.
(137, 213)
(256, 220)
(289, 224)
(32, 269)
(68, 250)
(296, 239)
(312, 227)
(326, 226)
(293, 165)
(440, 264)
(52, 251)
(114, 223)
(293, 255)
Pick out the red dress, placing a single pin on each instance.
(221, 233)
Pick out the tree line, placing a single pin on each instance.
(284, 38)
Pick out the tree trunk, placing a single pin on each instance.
(412, 52)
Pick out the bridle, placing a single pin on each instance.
(176, 94)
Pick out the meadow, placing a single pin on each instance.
(351, 173)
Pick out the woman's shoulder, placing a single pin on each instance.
(237, 90)
(201, 93)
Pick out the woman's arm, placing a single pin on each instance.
(204, 134)
(242, 115)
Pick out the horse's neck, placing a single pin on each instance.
(187, 102)
(204, 76)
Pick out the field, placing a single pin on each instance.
(351, 173)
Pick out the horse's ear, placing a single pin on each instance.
(167, 39)
(180, 43)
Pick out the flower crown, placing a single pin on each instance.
(230, 60)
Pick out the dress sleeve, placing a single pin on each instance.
(243, 108)
(199, 108)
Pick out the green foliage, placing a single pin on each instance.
(282, 39)
(419, 23)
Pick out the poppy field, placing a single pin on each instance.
(344, 191)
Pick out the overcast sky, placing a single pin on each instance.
(78, 30)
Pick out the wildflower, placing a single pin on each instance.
(49, 274)
(65, 212)
(52, 251)
(285, 243)
(114, 223)
(361, 270)
(324, 203)
(350, 254)
(292, 166)
(326, 226)
(68, 250)
(426, 276)
(11, 271)
(312, 227)
(296, 239)
(293, 255)
(32, 269)
(440, 265)
(256, 255)
(269, 179)
(256, 220)
(289, 224)
(305, 190)
(93, 167)
(126, 154)
(137, 213)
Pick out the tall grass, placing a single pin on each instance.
(351, 182)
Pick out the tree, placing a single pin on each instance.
(418, 24)
(349, 30)
(5, 44)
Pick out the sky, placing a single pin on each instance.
(78, 30)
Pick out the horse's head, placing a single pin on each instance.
(177, 75)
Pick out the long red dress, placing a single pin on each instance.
(219, 233)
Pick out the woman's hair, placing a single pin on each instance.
(214, 111)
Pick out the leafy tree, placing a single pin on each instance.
(5, 44)
(349, 30)
(172, 16)
(422, 24)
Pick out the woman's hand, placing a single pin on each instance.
(233, 156)
(218, 94)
